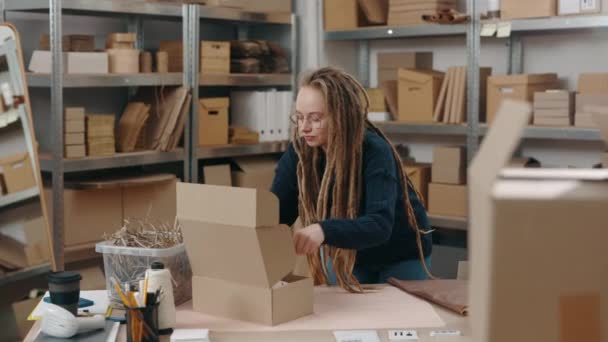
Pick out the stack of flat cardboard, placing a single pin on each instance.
(243, 135)
(451, 103)
(554, 108)
(215, 57)
(448, 190)
(73, 42)
(130, 126)
(100, 134)
(168, 112)
(591, 98)
(418, 92)
(74, 140)
(123, 57)
(410, 12)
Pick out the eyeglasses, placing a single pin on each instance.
(299, 120)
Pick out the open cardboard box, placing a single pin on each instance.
(239, 253)
(539, 264)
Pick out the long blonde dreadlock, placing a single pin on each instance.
(347, 104)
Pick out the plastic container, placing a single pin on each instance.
(129, 265)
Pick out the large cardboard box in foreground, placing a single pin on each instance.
(532, 271)
(239, 255)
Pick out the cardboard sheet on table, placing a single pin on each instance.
(334, 309)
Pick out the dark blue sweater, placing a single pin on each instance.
(381, 234)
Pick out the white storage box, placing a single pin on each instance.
(129, 264)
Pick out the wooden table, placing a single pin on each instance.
(453, 321)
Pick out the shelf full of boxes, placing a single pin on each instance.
(125, 47)
(440, 106)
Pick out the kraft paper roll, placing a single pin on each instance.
(162, 61)
(145, 62)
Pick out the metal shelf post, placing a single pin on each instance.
(363, 62)
(473, 52)
(55, 23)
(191, 80)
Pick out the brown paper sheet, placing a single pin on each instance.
(448, 293)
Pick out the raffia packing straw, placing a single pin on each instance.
(159, 278)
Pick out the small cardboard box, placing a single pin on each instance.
(175, 52)
(449, 165)
(217, 175)
(518, 87)
(376, 100)
(24, 243)
(342, 15)
(448, 200)
(420, 175)
(418, 92)
(215, 56)
(517, 9)
(74, 139)
(213, 121)
(123, 61)
(17, 172)
(570, 7)
(593, 83)
(73, 62)
(74, 126)
(256, 253)
(390, 62)
(75, 151)
(537, 212)
(375, 11)
(74, 113)
(254, 172)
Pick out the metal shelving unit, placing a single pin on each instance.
(241, 150)
(115, 161)
(473, 130)
(11, 199)
(134, 13)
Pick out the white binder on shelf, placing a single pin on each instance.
(243, 106)
(261, 113)
(272, 109)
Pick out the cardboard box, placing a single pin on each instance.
(175, 52)
(100, 125)
(256, 252)
(254, 172)
(123, 61)
(420, 175)
(213, 121)
(217, 175)
(215, 57)
(518, 87)
(15, 325)
(73, 62)
(375, 11)
(74, 113)
(17, 172)
(418, 92)
(103, 210)
(510, 209)
(593, 83)
(376, 100)
(24, 243)
(586, 104)
(75, 151)
(283, 6)
(390, 62)
(448, 200)
(74, 139)
(342, 15)
(517, 9)
(408, 12)
(449, 165)
(570, 7)
(74, 126)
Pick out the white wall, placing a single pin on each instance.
(568, 54)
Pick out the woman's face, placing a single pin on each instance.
(311, 117)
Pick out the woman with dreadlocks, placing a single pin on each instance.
(363, 219)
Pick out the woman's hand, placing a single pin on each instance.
(308, 240)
